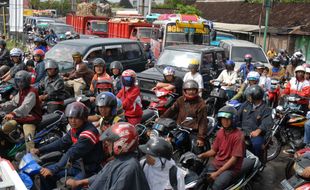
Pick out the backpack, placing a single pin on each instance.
(172, 176)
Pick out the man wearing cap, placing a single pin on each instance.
(80, 77)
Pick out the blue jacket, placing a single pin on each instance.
(243, 70)
(82, 143)
(40, 70)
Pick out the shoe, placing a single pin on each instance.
(289, 151)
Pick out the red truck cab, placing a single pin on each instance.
(142, 34)
(97, 27)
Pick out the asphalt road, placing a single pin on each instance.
(272, 175)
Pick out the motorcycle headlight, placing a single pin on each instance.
(273, 113)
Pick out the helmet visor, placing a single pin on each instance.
(224, 114)
(127, 81)
(252, 79)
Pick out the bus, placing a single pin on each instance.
(178, 29)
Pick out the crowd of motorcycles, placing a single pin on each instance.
(287, 131)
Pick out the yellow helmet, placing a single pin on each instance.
(193, 64)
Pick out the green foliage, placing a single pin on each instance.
(10, 44)
(279, 1)
(188, 9)
(62, 6)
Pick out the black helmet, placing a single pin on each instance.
(116, 65)
(276, 62)
(157, 147)
(107, 99)
(77, 109)
(228, 112)
(254, 92)
(37, 39)
(30, 62)
(99, 62)
(50, 64)
(22, 79)
(259, 66)
(2, 42)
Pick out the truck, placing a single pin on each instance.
(90, 25)
(136, 29)
(180, 29)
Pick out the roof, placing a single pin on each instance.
(196, 48)
(239, 28)
(94, 41)
(240, 43)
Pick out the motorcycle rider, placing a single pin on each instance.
(228, 150)
(24, 108)
(130, 97)
(158, 166)
(80, 77)
(52, 88)
(171, 82)
(30, 69)
(106, 103)
(300, 86)
(276, 72)
(38, 56)
(124, 172)
(16, 56)
(81, 145)
(252, 79)
(264, 80)
(246, 67)
(228, 78)
(193, 74)
(38, 44)
(5, 61)
(190, 105)
(116, 69)
(100, 73)
(255, 118)
(149, 55)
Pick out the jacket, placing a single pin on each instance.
(117, 83)
(250, 120)
(196, 109)
(131, 101)
(5, 57)
(23, 104)
(124, 172)
(277, 73)
(54, 88)
(301, 88)
(82, 143)
(82, 72)
(40, 70)
(16, 68)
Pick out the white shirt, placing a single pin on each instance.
(228, 77)
(196, 77)
(158, 178)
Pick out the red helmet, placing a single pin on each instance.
(124, 137)
(39, 52)
(129, 73)
(248, 58)
(129, 78)
(104, 84)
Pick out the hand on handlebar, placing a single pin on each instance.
(200, 143)
(9, 116)
(34, 151)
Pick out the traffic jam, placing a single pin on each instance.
(123, 101)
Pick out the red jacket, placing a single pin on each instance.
(302, 88)
(131, 101)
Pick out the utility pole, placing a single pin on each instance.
(150, 7)
(267, 7)
(4, 17)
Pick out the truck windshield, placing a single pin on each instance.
(63, 29)
(99, 26)
(237, 54)
(145, 33)
(61, 53)
(176, 58)
(183, 38)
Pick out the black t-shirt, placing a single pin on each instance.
(178, 83)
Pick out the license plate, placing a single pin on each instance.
(149, 98)
(286, 185)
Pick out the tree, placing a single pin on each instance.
(188, 9)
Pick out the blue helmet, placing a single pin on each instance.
(230, 65)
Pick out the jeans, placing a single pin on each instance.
(257, 146)
(307, 133)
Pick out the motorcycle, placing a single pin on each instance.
(6, 89)
(51, 128)
(216, 99)
(9, 176)
(294, 171)
(274, 93)
(165, 98)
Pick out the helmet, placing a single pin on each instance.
(190, 84)
(147, 46)
(300, 68)
(298, 54)
(104, 84)
(259, 66)
(50, 64)
(276, 61)
(68, 33)
(168, 71)
(124, 137)
(307, 70)
(157, 147)
(16, 52)
(22, 79)
(116, 65)
(99, 62)
(107, 99)
(194, 64)
(76, 54)
(77, 109)
(39, 52)
(230, 65)
(2, 42)
(30, 62)
(294, 60)
(37, 39)
(129, 78)
(253, 75)
(254, 92)
(228, 112)
(248, 58)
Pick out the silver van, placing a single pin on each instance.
(236, 50)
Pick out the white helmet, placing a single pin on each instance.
(68, 33)
(307, 70)
(300, 68)
(16, 52)
(253, 75)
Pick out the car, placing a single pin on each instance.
(211, 60)
(236, 50)
(60, 30)
(129, 52)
